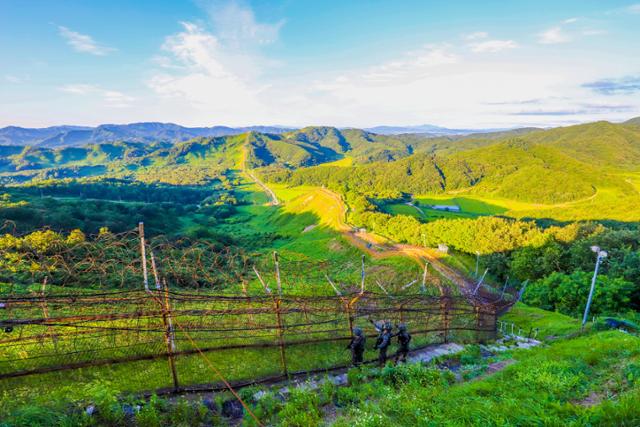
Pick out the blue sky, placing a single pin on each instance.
(342, 63)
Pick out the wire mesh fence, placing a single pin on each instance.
(156, 337)
(219, 307)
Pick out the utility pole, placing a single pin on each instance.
(601, 254)
(477, 262)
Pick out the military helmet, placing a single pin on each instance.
(402, 327)
(357, 331)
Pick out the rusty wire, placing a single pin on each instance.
(68, 329)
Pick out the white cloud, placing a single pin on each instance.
(477, 35)
(593, 32)
(493, 46)
(78, 89)
(202, 77)
(13, 79)
(554, 35)
(634, 8)
(479, 42)
(83, 43)
(414, 64)
(235, 23)
(111, 98)
(568, 30)
(213, 72)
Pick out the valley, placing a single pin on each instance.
(514, 211)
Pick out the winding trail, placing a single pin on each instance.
(252, 177)
(379, 247)
(376, 246)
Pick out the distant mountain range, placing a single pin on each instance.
(428, 130)
(76, 136)
(584, 169)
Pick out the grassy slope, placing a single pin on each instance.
(589, 379)
(320, 249)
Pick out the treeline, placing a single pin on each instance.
(418, 174)
(117, 204)
(25, 214)
(117, 189)
(507, 170)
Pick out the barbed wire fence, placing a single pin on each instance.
(156, 334)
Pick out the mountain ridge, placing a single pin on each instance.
(70, 135)
(66, 136)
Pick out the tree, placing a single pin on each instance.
(568, 293)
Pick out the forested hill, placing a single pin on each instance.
(542, 166)
(292, 149)
(531, 165)
(209, 155)
(147, 132)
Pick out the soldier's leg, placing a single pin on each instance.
(383, 356)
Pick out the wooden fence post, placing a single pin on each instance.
(169, 337)
(478, 324)
(156, 277)
(350, 308)
(276, 305)
(45, 312)
(143, 256)
(278, 302)
(494, 329)
(283, 357)
(444, 313)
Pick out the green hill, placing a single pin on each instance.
(634, 121)
(593, 167)
(564, 172)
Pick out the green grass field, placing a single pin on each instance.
(422, 208)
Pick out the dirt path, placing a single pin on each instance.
(252, 177)
(379, 247)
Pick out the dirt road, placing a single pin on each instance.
(379, 247)
(269, 192)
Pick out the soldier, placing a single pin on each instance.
(357, 346)
(404, 338)
(383, 342)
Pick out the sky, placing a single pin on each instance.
(459, 64)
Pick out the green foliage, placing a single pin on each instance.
(567, 293)
(301, 409)
(106, 261)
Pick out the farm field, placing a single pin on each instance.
(421, 208)
(608, 203)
